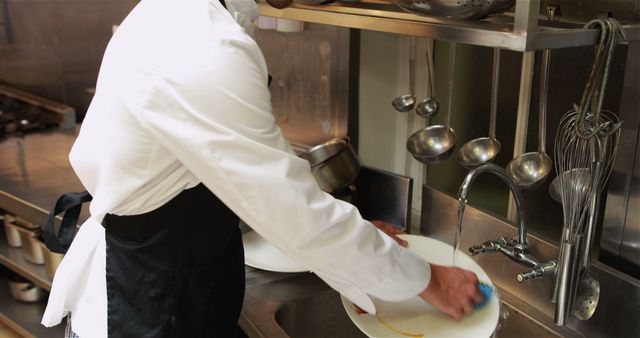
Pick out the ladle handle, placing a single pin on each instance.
(452, 61)
(495, 79)
(544, 88)
(412, 65)
(430, 66)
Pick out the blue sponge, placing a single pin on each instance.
(487, 292)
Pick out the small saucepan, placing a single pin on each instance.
(334, 164)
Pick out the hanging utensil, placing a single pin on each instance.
(429, 106)
(280, 4)
(435, 143)
(484, 149)
(406, 102)
(593, 94)
(529, 170)
(603, 152)
(459, 9)
(587, 140)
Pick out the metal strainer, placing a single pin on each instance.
(455, 9)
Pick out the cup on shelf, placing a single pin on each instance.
(23, 290)
(51, 259)
(13, 234)
(31, 248)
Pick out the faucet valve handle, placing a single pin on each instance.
(476, 249)
(541, 270)
(488, 246)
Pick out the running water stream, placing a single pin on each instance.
(462, 202)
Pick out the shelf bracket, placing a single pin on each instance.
(526, 17)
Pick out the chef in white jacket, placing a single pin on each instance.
(178, 143)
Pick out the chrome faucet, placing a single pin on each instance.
(516, 249)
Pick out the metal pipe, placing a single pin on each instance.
(513, 187)
(566, 282)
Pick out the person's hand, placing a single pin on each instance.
(452, 290)
(391, 231)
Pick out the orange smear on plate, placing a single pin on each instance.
(360, 311)
(417, 335)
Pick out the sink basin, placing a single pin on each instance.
(303, 306)
(322, 315)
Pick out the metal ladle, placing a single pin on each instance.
(406, 102)
(484, 149)
(531, 169)
(436, 143)
(430, 105)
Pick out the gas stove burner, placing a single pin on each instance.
(23, 120)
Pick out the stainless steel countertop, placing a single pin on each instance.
(36, 169)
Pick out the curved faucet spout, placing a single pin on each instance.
(513, 187)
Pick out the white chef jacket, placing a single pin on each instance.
(182, 98)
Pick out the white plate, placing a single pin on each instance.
(416, 318)
(261, 254)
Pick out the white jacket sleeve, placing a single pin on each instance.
(214, 115)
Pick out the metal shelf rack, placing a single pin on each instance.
(522, 30)
(517, 31)
(24, 318)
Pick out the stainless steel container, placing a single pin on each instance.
(458, 9)
(13, 234)
(334, 164)
(31, 248)
(51, 260)
(25, 292)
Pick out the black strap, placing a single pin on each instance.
(71, 204)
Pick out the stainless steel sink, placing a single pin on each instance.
(322, 315)
(515, 323)
(302, 305)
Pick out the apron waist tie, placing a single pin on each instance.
(71, 204)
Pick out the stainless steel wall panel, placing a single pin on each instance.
(631, 236)
(56, 46)
(32, 68)
(623, 204)
(310, 87)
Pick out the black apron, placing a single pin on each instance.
(177, 271)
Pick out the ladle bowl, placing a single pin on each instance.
(478, 151)
(404, 103)
(484, 149)
(407, 102)
(436, 143)
(428, 107)
(531, 169)
(432, 144)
